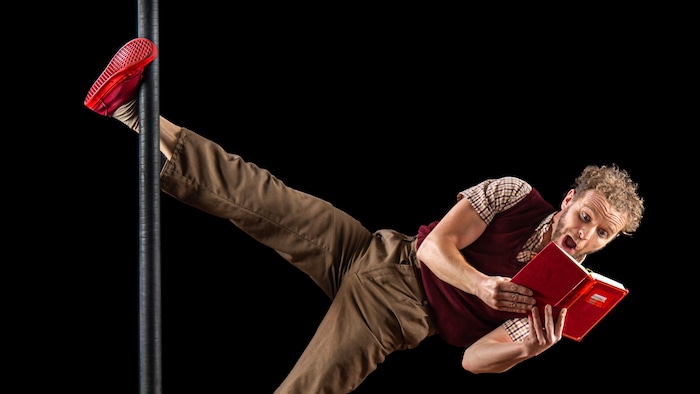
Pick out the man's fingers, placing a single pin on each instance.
(516, 288)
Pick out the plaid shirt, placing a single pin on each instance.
(497, 195)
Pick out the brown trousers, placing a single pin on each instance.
(373, 279)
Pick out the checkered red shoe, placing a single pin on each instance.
(118, 83)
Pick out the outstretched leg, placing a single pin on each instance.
(309, 232)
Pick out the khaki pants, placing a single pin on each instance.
(373, 279)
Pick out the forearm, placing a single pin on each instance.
(448, 264)
(493, 357)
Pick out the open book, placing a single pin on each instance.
(558, 279)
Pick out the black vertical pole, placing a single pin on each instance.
(149, 211)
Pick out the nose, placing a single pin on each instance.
(583, 233)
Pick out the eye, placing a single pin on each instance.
(585, 217)
(602, 233)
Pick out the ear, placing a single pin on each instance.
(567, 199)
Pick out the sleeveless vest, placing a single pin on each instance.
(462, 318)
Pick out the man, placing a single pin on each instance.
(390, 291)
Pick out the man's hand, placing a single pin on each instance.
(501, 294)
(496, 352)
(543, 336)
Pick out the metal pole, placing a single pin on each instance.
(149, 211)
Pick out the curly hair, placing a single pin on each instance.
(619, 190)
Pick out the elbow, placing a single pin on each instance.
(469, 365)
(477, 370)
(423, 251)
(419, 254)
(472, 367)
(477, 363)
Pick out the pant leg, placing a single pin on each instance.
(380, 308)
(312, 234)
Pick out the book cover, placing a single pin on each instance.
(558, 279)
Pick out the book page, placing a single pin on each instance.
(605, 279)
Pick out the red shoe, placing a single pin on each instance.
(118, 83)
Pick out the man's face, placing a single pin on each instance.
(586, 224)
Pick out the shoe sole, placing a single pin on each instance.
(131, 59)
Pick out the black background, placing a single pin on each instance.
(385, 113)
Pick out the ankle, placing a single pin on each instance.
(128, 114)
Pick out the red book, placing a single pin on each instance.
(558, 279)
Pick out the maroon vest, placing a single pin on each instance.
(462, 318)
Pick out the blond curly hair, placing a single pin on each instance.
(619, 190)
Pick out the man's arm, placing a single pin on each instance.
(440, 251)
(496, 352)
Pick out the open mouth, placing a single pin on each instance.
(569, 242)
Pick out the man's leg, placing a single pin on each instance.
(380, 308)
(309, 232)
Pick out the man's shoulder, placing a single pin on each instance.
(511, 185)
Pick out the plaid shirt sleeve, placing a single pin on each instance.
(495, 195)
(517, 328)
